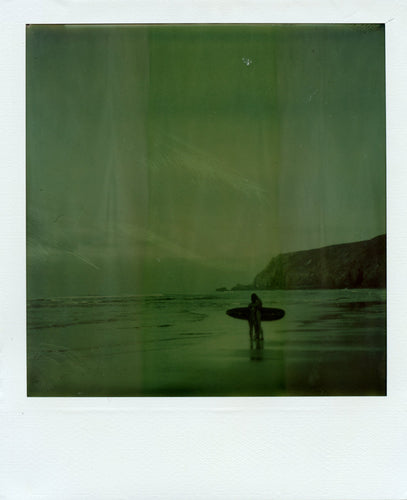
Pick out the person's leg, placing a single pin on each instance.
(251, 329)
(259, 330)
(256, 329)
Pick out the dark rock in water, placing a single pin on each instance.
(222, 289)
(350, 265)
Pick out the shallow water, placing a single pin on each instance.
(330, 342)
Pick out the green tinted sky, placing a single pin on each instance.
(185, 157)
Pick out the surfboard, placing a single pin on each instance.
(267, 313)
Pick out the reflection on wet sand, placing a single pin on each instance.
(271, 372)
(256, 349)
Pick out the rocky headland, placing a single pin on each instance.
(349, 265)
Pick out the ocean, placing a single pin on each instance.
(329, 343)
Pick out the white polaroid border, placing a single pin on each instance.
(197, 448)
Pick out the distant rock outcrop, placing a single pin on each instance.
(350, 265)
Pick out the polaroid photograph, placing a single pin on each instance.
(206, 210)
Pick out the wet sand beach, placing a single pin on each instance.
(330, 343)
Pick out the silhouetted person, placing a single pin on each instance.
(255, 318)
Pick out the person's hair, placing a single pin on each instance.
(254, 297)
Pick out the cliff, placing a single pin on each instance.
(350, 265)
